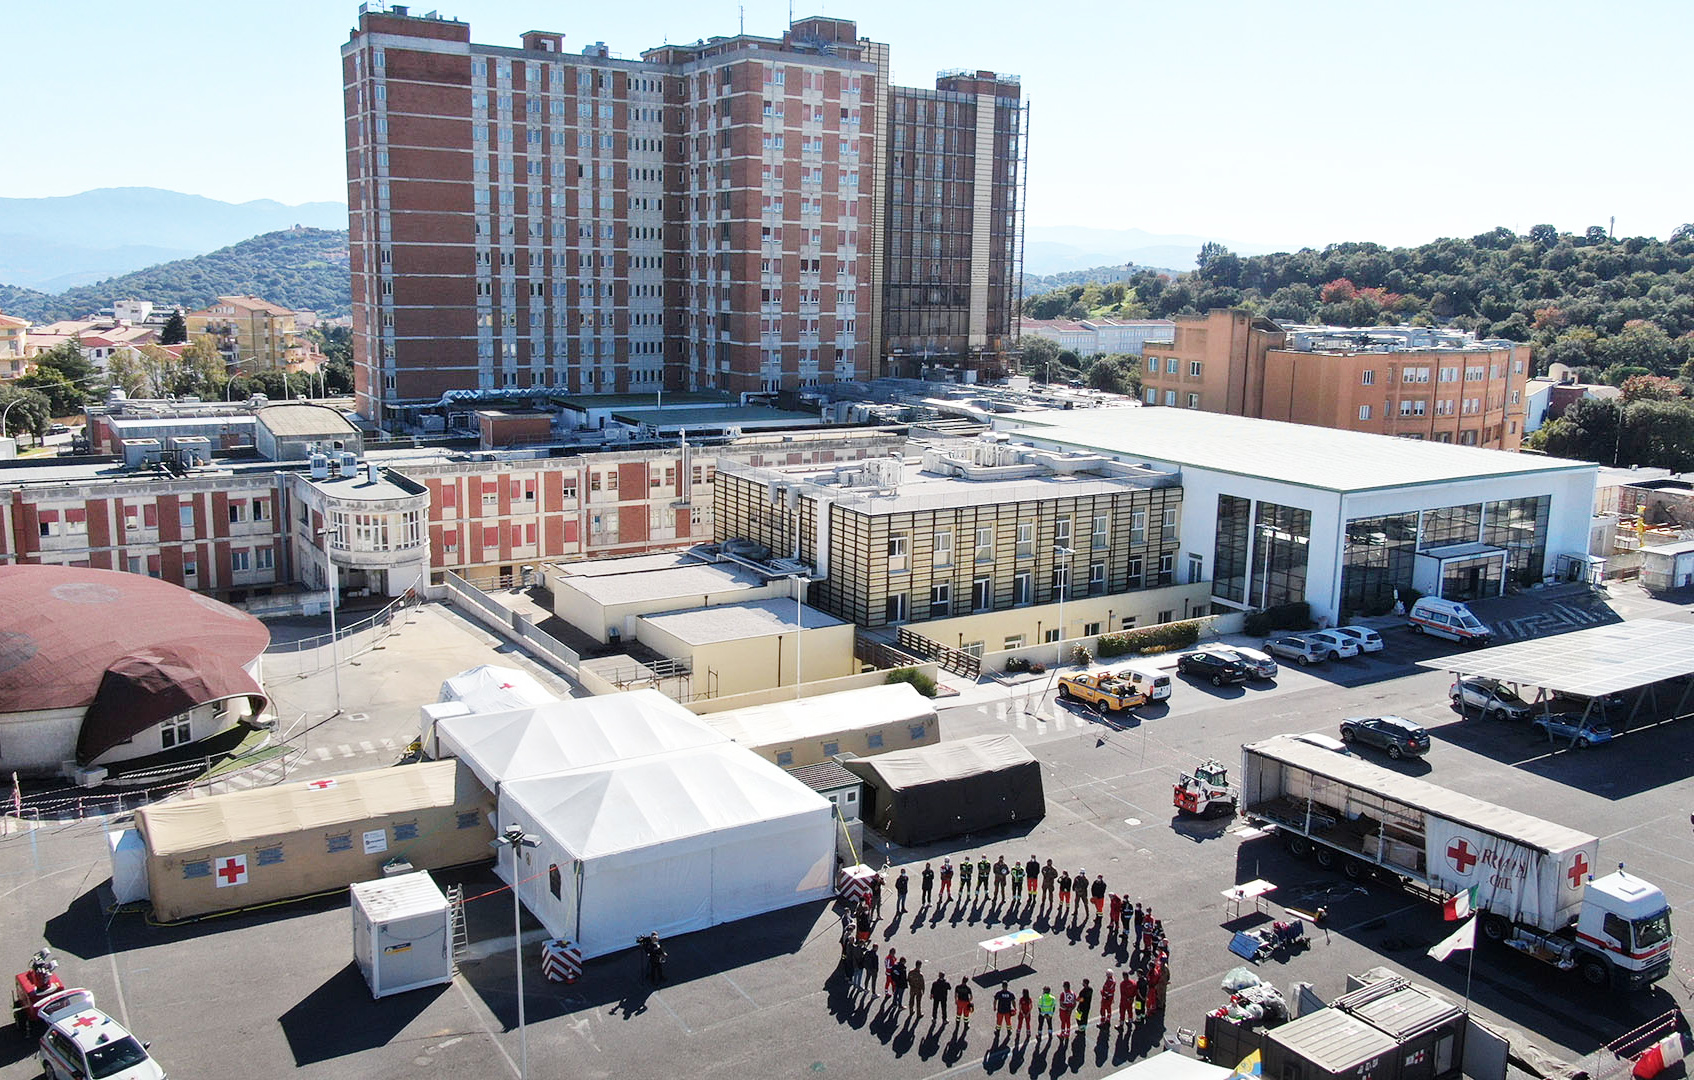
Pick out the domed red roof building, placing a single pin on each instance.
(98, 666)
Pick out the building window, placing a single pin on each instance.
(175, 732)
(1167, 569)
(1133, 575)
(940, 600)
(264, 558)
(1193, 401)
(943, 555)
(1023, 588)
(190, 568)
(1099, 536)
(1170, 396)
(897, 553)
(785, 758)
(185, 517)
(1138, 527)
(1172, 365)
(1026, 539)
(1169, 518)
(1196, 569)
(1151, 395)
(873, 741)
(1364, 410)
(982, 594)
(1014, 641)
(830, 749)
(917, 731)
(985, 545)
(1167, 615)
(1060, 581)
(1194, 368)
(973, 648)
(1096, 578)
(1367, 377)
(239, 561)
(1050, 636)
(1062, 532)
(894, 608)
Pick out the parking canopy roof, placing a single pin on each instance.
(1593, 662)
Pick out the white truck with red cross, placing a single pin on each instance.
(1533, 881)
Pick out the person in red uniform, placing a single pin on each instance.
(1108, 991)
(962, 1002)
(1067, 1006)
(888, 986)
(1126, 998)
(1026, 1005)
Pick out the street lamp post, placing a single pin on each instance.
(1266, 533)
(334, 602)
(5, 411)
(1065, 553)
(514, 837)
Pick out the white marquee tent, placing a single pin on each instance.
(672, 842)
(488, 688)
(562, 736)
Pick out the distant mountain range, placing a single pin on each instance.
(50, 245)
(297, 268)
(1053, 249)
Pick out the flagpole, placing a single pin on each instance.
(1470, 962)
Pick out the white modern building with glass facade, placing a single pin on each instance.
(1275, 513)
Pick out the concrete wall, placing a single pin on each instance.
(992, 628)
(811, 688)
(757, 663)
(598, 620)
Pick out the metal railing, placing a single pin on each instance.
(961, 663)
(312, 655)
(70, 804)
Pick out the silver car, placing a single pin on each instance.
(1259, 665)
(1302, 650)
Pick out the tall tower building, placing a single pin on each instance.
(709, 216)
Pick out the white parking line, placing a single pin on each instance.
(344, 750)
(323, 753)
(368, 747)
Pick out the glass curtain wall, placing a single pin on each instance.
(1229, 551)
(1283, 539)
(1519, 526)
(1377, 560)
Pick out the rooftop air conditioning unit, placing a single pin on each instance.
(320, 467)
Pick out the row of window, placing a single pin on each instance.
(1421, 374)
(1023, 588)
(1443, 406)
(1099, 539)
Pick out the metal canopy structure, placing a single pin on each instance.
(1594, 662)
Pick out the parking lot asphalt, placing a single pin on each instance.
(274, 992)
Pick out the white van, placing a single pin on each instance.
(1154, 685)
(1448, 619)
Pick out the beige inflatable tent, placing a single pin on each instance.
(253, 847)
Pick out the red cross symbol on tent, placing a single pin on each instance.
(83, 1021)
(507, 685)
(232, 871)
(321, 785)
(1461, 856)
(1578, 868)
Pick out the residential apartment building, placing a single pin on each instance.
(14, 347)
(953, 243)
(253, 334)
(706, 217)
(1092, 337)
(976, 542)
(1411, 382)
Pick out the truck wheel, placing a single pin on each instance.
(1495, 928)
(1326, 858)
(1102, 708)
(1353, 870)
(1416, 629)
(1298, 846)
(1595, 972)
(1064, 692)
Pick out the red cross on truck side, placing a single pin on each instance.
(1461, 855)
(231, 871)
(1578, 870)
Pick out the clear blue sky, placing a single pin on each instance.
(1282, 124)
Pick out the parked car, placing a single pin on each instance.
(1259, 665)
(1337, 646)
(1301, 650)
(1368, 640)
(1571, 729)
(1494, 699)
(1323, 742)
(1220, 666)
(1604, 704)
(89, 1045)
(1395, 735)
(1150, 681)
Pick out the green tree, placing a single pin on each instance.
(63, 396)
(1115, 374)
(1038, 352)
(31, 412)
(69, 361)
(1640, 344)
(175, 330)
(1651, 388)
(1659, 434)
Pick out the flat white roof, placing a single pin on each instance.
(732, 622)
(1316, 457)
(1593, 662)
(665, 583)
(826, 714)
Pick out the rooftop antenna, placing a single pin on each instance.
(743, 10)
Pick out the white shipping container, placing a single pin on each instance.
(402, 933)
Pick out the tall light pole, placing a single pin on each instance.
(334, 602)
(514, 837)
(1065, 553)
(1266, 532)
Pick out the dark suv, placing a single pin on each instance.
(1396, 735)
(1221, 666)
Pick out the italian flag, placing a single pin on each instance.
(1459, 905)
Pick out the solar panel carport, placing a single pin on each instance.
(1637, 656)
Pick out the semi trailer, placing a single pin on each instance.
(1535, 889)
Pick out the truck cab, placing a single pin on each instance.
(1103, 691)
(1624, 931)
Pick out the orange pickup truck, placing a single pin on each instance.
(1105, 692)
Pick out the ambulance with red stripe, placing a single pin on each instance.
(83, 1043)
(1449, 619)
